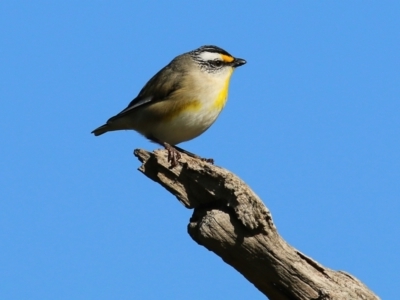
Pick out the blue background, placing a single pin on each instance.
(312, 125)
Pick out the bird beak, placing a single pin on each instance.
(238, 62)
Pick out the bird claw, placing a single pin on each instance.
(209, 160)
(173, 155)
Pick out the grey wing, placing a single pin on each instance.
(138, 101)
(157, 89)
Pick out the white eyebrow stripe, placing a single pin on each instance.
(206, 56)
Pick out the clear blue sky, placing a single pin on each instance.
(312, 125)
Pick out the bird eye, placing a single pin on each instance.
(216, 63)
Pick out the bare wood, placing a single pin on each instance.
(230, 220)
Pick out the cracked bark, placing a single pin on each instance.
(230, 220)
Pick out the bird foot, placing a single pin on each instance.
(173, 155)
(209, 160)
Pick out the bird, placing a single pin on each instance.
(181, 101)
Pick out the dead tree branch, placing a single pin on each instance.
(230, 220)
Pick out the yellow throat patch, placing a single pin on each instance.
(223, 95)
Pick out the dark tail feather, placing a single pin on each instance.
(102, 129)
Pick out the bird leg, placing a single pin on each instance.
(173, 154)
(209, 160)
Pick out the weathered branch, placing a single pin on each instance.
(230, 220)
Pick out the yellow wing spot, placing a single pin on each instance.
(192, 106)
(227, 58)
(180, 107)
(223, 95)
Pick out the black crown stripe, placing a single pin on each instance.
(210, 48)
